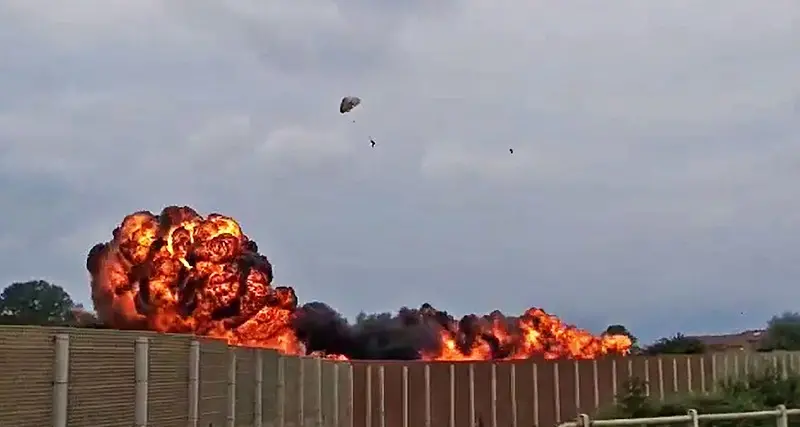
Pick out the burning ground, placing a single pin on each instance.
(184, 273)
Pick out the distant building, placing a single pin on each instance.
(748, 340)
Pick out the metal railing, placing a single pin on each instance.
(691, 419)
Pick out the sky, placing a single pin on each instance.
(653, 181)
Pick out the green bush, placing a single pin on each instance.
(761, 391)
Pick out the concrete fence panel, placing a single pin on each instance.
(102, 378)
(27, 356)
(168, 403)
(213, 386)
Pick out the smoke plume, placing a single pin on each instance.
(180, 272)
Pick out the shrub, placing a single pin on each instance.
(761, 391)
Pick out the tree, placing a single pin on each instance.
(36, 302)
(783, 332)
(678, 344)
(620, 330)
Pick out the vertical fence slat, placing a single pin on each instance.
(472, 394)
(368, 397)
(535, 394)
(595, 384)
(280, 401)
(351, 399)
(577, 373)
(319, 418)
(493, 391)
(335, 393)
(405, 395)
(427, 395)
(194, 383)
(61, 380)
(301, 393)
(614, 379)
(231, 395)
(556, 391)
(258, 409)
(382, 395)
(452, 395)
(514, 420)
(141, 369)
(660, 362)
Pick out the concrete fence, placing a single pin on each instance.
(64, 377)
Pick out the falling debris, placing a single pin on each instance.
(348, 103)
(372, 142)
(511, 150)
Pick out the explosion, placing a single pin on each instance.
(182, 273)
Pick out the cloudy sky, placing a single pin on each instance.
(654, 179)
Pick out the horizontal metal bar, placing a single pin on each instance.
(681, 418)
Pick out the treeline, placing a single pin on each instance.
(38, 302)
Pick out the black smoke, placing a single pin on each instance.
(406, 335)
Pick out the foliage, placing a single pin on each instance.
(756, 392)
(38, 302)
(678, 344)
(783, 332)
(35, 302)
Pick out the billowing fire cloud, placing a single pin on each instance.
(180, 272)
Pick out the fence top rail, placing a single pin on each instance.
(583, 420)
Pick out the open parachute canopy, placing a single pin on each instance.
(348, 103)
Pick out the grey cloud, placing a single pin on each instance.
(652, 181)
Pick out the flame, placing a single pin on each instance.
(180, 272)
(534, 334)
(183, 273)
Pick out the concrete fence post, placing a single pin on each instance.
(452, 378)
(301, 392)
(404, 391)
(382, 396)
(427, 395)
(368, 397)
(493, 392)
(557, 390)
(352, 398)
(320, 416)
(576, 367)
(258, 410)
(194, 384)
(536, 393)
(280, 401)
(513, 385)
(472, 420)
(335, 394)
(61, 380)
(141, 373)
(231, 419)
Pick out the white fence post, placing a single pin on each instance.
(61, 380)
(142, 370)
(194, 383)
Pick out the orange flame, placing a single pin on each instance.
(534, 334)
(180, 272)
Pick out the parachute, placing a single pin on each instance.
(348, 103)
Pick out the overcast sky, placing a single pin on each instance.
(654, 180)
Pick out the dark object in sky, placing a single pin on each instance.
(348, 103)
(372, 142)
(511, 150)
